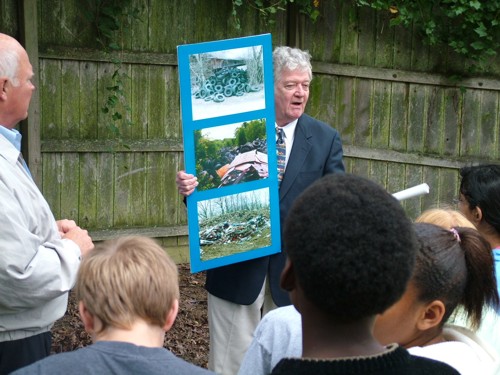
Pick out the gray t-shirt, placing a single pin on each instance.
(113, 357)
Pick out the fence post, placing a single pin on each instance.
(30, 128)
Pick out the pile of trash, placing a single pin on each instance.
(248, 166)
(234, 165)
(227, 232)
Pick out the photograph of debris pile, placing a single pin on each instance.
(231, 154)
(234, 224)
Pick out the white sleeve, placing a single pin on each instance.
(278, 335)
(36, 265)
(257, 360)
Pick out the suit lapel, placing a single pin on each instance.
(300, 150)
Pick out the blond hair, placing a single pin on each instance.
(125, 279)
(445, 218)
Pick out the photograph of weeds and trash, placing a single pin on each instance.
(234, 224)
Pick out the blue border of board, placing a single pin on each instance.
(189, 125)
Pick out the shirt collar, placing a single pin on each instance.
(289, 129)
(7, 149)
(13, 136)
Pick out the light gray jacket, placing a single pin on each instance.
(37, 267)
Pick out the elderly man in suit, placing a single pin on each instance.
(240, 294)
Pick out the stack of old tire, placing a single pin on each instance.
(224, 83)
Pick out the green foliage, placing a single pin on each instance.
(268, 9)
(110, 18)
(250, 131)
(470, 27)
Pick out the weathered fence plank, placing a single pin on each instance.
(384, 38)
(8, 17)
(450, 142)
(105, 181)
(396, 180)
(51, 181)
(399, 116)
(379, 173)
(87, 194)
(414, 177)
(366, 36)
(89, 107)
(360, 124)
(173, 200)
(380, 114)
(344, 108)
(471, 123)
(349, 37)
(139, 83)
(50, 98)
(417, 110)
(70, 109)
(158, 102)
(489, 126)
(70, 183)
(433, 124)
(138, 192)
(323, 86)
(156, 183)
(104, 74)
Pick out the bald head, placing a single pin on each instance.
(16, 87)
(10, 51)
(4, 38)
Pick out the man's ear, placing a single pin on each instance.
(287, 278)
(171, 315)
(431, 316)
(86, 317)
(3, 88)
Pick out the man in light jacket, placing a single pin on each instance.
(39, 257)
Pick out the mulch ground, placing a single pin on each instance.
(187, 339)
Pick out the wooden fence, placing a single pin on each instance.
(402, 118)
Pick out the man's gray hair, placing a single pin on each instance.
(9, 65)
(287, 58)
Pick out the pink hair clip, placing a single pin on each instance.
(455, 233)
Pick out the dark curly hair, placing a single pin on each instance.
(480, 186)
(455, 267)
(351, 245)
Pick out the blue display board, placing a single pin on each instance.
(227, 104)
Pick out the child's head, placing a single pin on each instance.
(126, 279)
(445, 218)
(453, 268)
(351, 247)
(480, 195)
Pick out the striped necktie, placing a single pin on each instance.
(280, 153)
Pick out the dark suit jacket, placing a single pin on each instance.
(316, 151)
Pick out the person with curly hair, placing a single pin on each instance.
(350, 253)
